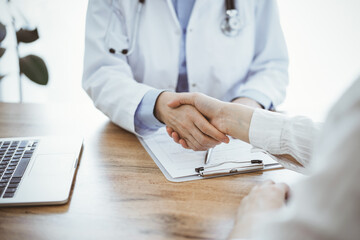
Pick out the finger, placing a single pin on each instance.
(204, 140)
(190, 145)
(268, 182)
(175, 136)
(284, 187)
(175, 141)
(203, 144)
(169, 130)
(184, 144)
(186, 131)
(188, 141)
(183, 98)
(197, 140)
(192, 142)
(207, 128)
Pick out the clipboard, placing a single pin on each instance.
(163, 170)
(160, 145)
(198, 176)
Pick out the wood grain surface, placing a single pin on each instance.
(119, 192)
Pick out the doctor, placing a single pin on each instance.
(137, 53)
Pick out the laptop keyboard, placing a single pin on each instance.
(14, 159)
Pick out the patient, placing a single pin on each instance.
(326, 204)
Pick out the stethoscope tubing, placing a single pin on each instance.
(230, 4)
(230, 11)
(135, 32)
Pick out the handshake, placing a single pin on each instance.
(199, 122)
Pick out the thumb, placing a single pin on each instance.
(286, 189)
(182, 99)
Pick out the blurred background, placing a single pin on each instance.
(323, 39)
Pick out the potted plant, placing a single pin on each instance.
(32, 66)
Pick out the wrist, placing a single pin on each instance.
(248, 102)
(158, 106)
(236, 120)
(161, 105)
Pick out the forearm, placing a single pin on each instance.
(290, 139)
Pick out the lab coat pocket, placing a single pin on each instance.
(116, 37)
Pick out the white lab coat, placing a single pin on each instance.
(217, 65)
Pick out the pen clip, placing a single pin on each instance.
(199, 169)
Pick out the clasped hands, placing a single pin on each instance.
(199, 122)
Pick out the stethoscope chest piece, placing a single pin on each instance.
(231, 25)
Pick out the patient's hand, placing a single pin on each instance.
(247, 101)
(262, 198)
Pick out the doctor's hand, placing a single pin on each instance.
(263, 198)
(230, 118)
(191, 126)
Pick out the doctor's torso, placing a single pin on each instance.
(215, 62)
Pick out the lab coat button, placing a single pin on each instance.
(193, 85)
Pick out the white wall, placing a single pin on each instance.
(61, 45)
(323, 38)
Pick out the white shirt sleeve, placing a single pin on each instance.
(279, 135)
(326, 204)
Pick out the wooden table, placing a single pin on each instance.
(119, 192)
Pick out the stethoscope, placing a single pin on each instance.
(230, 26)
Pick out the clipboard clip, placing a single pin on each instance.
(214, 170)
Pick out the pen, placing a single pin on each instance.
(208, 155)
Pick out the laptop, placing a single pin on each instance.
(38, 170)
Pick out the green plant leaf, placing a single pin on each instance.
(35, 69)
(2, 32)
(2, 51)
(27, 36)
